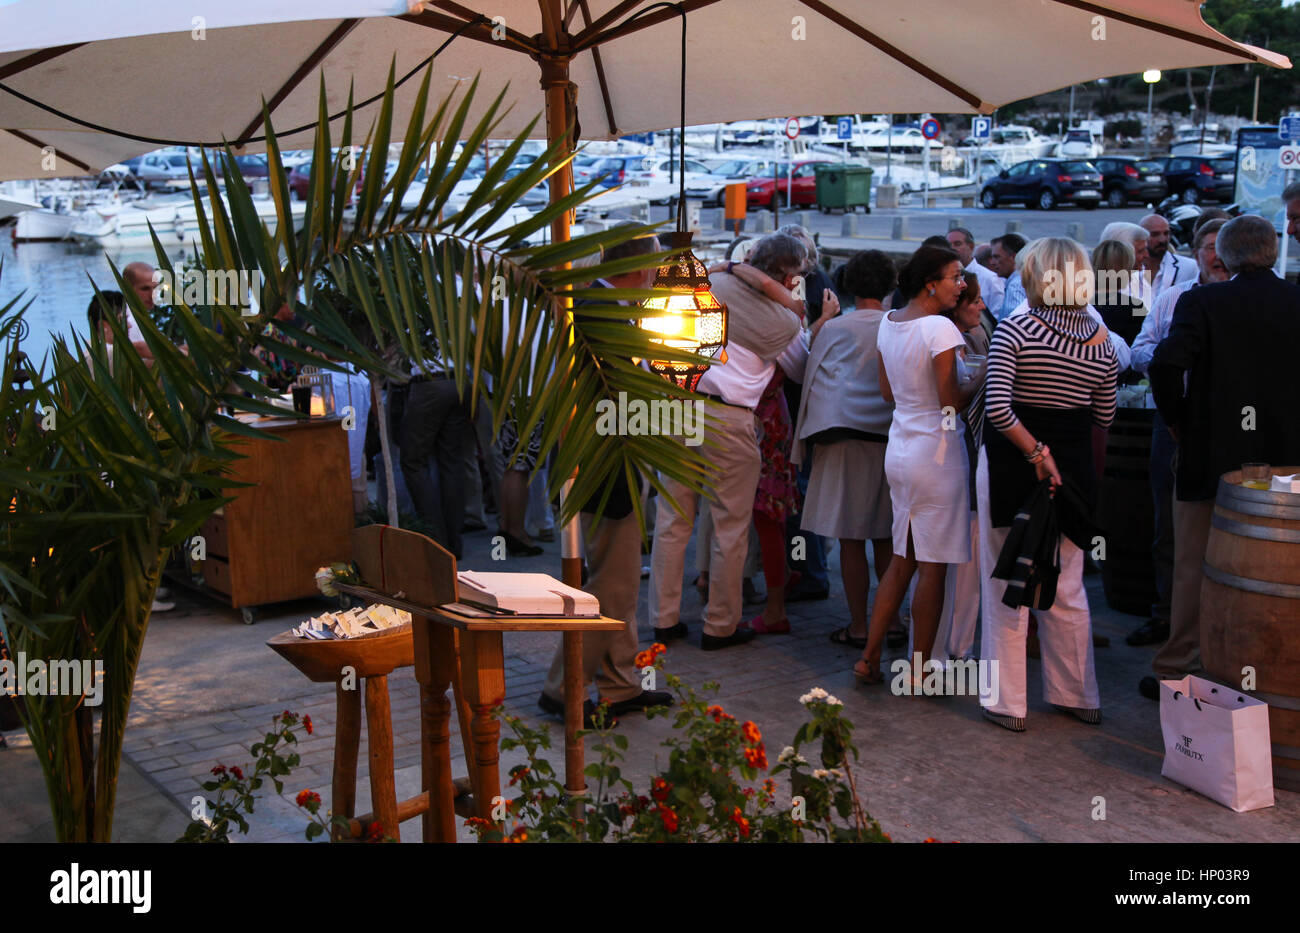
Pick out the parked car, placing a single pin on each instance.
(1125, 179)
(613, 170)
(710, 188)
(1201, 178)
(762, 189)
(160, 168)
(1045, 183)
(300, 180)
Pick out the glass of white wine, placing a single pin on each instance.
(1255, 475)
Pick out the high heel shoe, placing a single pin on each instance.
(517, 548)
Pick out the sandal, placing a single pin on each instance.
(865, 675)
(896, 638)
(841, 636)
(762, 628)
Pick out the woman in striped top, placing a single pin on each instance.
(1051, 377)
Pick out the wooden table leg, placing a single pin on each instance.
(483, 680)
(379, 736)
(574, 693)
(347, 739)
(435, 660)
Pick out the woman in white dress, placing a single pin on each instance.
(925, 460)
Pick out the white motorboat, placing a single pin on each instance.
(1209, 140)
(60, 201)
(172, 216)
(1009, 144)
(16, 197)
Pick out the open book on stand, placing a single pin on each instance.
(526, 594)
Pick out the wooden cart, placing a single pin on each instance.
(266, 546)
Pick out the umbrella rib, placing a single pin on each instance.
(604, 20)
(600, 71)
(635, 25)
(1164, 29)
(551, 19)
(481, 33)
(467, 14)
(866, 35)
(334, 38)
(36, 58)
(40, 145)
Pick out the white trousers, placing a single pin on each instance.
(1064, 631)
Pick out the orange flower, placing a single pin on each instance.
(518, 773)
(751, 733)
(306, 724)
(473, 821)
(658, 648)
(308, 799)
(716, 712)
(669, 818)
(769, 787)
(742, 824)
(756, 758)
(520, 834)
(659, 789)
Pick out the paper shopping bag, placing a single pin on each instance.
(1217, 742)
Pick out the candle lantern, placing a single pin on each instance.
(693, 319)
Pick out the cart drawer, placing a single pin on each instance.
(216, 574)
(214, 535)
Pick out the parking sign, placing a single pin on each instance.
(844, 127)
(981, 127)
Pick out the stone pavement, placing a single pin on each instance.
(208, 687)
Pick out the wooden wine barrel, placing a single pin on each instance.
(1250, 607)
(1126, 513)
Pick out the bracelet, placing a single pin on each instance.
(730, 266)
(1036, 455)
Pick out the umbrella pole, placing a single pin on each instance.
(555, 83)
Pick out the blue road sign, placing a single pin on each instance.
(844, 128)
(1289, 127)
(981, 127)
(930, 129)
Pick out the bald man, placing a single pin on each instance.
(139, 276)
(1164, 267)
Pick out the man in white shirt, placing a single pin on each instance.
(1154, 329)
(1164, 267)
(962, 242)
(1002, 260)
(760, 334)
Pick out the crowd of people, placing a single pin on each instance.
(953, 412)
(950, 410)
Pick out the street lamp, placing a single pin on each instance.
(1151, 76)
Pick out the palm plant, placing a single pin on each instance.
(130, 465)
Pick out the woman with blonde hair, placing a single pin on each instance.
(1051, 378)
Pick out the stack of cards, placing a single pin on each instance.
(352, 623)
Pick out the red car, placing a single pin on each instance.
(762, 189)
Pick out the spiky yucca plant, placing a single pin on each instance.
(130, 465)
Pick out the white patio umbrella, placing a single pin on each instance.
(155, 69)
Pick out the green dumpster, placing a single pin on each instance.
(846, 187)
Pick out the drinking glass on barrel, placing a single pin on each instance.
(1255, 475)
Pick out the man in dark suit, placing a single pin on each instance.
(613, 548)
(1235, 345)
(1291, 198)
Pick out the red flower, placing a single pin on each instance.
(716, 712)
(375, 832)
(473, 821)
(287, 716)
(659, 789)
(751, 733)
(669, 818)
(643, 660)
(756, 758)
(769, 787)
(518, 773)
(308, 799)
(657, 649)
(219, 770)
(306, 724)
(237, 771)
